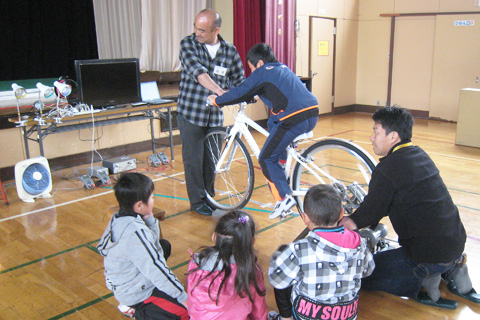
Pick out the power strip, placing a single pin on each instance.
(87, 182)
(163, 158)
(100, 173)
(155, 160)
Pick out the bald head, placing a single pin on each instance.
(212, 16)
(207, 26)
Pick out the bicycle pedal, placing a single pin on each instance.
(285, 214)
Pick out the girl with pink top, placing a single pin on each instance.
(224, 281)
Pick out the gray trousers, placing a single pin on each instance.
(198, 166)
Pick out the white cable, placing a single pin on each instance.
(93, 140)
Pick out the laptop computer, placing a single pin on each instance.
(150, 94)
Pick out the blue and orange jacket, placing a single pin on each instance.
(278, 87)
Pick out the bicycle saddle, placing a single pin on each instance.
(304, 136)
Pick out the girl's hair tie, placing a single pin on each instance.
(243, 219)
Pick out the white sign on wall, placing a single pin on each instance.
(464, 23)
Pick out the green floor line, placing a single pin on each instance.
(86, 305)
(42, 259)
(170, 197)
(293, 216)
(180, 265)
(463, 191)
(255, 209)
(93, 248)
(470, 208)
(176, 214)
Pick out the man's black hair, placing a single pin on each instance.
(261, 51)
(131, 188)
(396, 119)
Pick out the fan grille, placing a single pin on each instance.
(35, 179)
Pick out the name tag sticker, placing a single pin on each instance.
(221, 71)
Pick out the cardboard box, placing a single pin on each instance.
(468, 131)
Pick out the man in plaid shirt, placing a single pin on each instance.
(319, 277)
(209, 65)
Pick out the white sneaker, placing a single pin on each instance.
(282, 206)
(126, 310)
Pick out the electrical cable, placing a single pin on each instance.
(93, 135)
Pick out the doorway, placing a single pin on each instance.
(322, 61)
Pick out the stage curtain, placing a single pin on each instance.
(249, 26)
(150, 30)
(280, 30)
(164, 25)
(41, 39)
(119, 27)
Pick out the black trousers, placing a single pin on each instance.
(166, 247)
(284, 304)
(198, 165)
(160, 306)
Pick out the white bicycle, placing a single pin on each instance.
(328, 161)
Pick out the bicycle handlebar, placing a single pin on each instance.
(209, 103)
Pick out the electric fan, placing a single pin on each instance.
(33, 179)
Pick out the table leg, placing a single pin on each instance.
(40, 139)
(25, 140)
(170, 133)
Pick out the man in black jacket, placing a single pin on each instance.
(407, 187)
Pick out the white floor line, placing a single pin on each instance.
(454, 157)
(261, 204)
(430, 153)
(77, 200)
(54, 206)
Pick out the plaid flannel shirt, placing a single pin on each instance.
(320, 269)
(193, 96)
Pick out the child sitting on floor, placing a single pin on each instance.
(319, 277)
(135, 256)
(224, 281)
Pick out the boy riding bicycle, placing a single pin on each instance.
(294, 111)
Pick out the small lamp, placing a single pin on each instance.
(45, 91)
(63, 88)
(19, 93)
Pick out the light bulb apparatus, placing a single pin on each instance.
(45, 91)
(18, 91)
(63, 88)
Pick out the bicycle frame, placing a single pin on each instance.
(240, 128)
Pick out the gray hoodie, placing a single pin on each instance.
(134, 262)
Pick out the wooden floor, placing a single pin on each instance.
(49, 267)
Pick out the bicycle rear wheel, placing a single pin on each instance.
(232, 185)
(334, 161)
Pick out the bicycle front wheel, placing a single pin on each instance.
(232, 184)
(338, 162)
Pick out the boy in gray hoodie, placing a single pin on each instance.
(135, 258)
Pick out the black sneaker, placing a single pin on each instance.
(203, 209)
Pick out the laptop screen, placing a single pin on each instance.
(149, 91)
